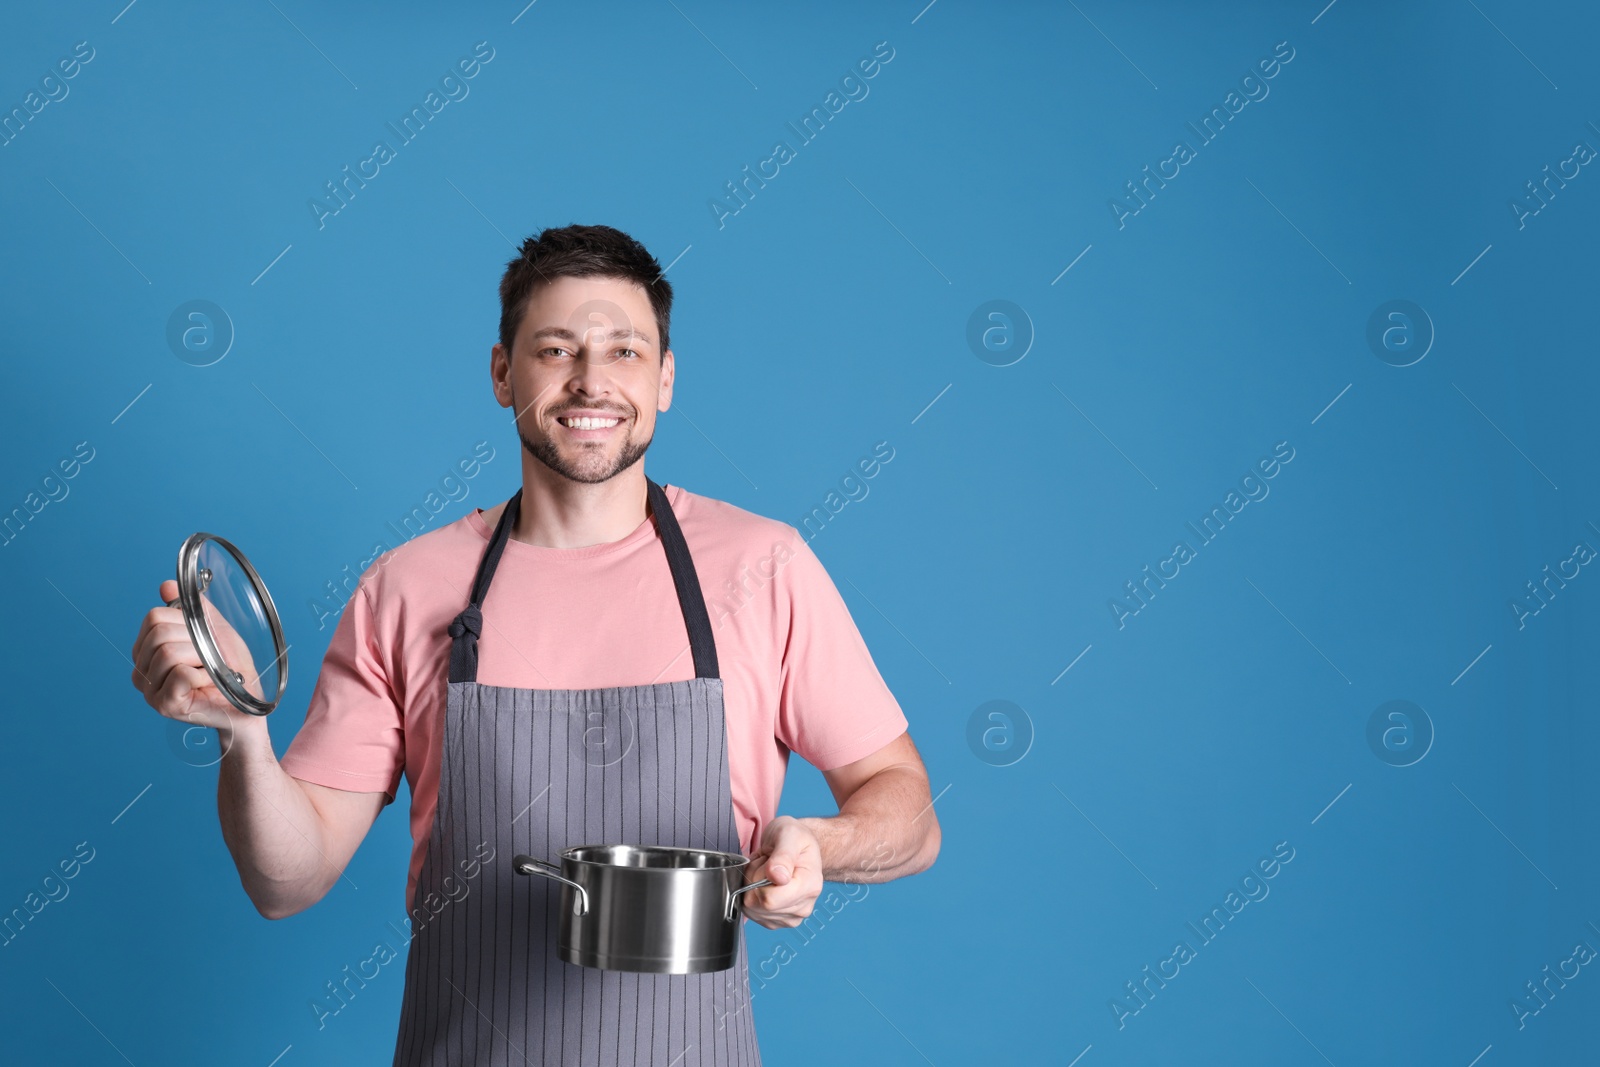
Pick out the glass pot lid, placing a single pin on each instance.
(233, 623)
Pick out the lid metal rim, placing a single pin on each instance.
(210, 654)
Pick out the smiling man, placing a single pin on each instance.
(545, 674)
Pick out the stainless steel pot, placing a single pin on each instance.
(653, 910)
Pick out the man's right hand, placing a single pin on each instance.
(167, 669)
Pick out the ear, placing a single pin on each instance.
(500, 374)
(664, 394)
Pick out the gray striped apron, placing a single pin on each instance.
(536, 771)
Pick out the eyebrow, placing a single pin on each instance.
(567, 335)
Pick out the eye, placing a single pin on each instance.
(628, 352)
(556, 351)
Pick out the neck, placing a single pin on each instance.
(557, 512)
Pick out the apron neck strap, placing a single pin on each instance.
(690, 599)
(467, 626)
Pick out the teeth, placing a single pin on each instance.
(586, 423)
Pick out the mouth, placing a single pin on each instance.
(589, 427)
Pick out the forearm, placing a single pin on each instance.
(887, 829)
(270, 827)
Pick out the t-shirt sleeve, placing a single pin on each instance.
(834, 707)
(354, 736)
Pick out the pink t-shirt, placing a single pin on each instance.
(797, 675)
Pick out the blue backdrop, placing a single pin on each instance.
(1231, 564)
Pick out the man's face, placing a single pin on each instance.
(586, 376)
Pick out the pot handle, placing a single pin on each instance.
(734, 896)
(529, 865)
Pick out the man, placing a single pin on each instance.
(598, 660)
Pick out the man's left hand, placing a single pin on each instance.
(791, 856)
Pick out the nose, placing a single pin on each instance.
(590, 379)
(591, 372)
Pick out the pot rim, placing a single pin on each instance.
(733, 859)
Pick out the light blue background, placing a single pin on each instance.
(826, 316)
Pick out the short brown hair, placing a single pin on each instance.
(580, 251)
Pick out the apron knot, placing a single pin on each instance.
(469, 621)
